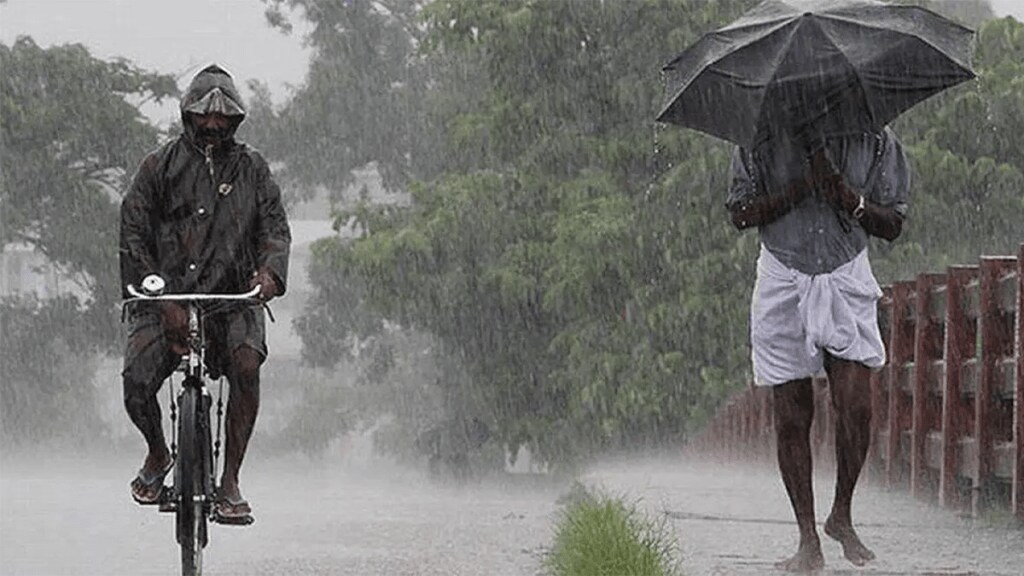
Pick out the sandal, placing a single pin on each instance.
(234, 511)
(147, 488)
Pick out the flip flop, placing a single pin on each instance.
(233, 511)
(146, 482)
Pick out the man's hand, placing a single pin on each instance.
(174, 319)
(840, 196)
(821, 167)
(826, 179)
(877, 221)
(268, 286)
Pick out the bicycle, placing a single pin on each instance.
(193, 491)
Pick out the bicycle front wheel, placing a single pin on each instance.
(191, 526)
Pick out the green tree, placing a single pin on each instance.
(573, 258)
(45, 391)
(968, 165)
(361, 104)
(538, 257)
(71, 134)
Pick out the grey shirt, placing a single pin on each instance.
(813, 237)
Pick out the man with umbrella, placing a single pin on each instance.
(814, 303)
(805, 88)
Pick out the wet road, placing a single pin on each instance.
(70, 517)
(736, 521)
(61, 519)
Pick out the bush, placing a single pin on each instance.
(599, 535)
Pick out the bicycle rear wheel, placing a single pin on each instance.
(191, 517)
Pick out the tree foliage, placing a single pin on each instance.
(967, 162)
(71, 135)
(47, 364)
(538, 257)
(564, 263)
(360, 102)
(573, 258)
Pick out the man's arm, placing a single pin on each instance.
(881, 221)
(747, 208)
(760, 210)
(136, 246)
(876, 220)
(273, 235)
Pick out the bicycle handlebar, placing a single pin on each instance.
(249, 296)
(137, 296)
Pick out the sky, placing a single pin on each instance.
(181, 36)
(177, 37)
(1013, 8)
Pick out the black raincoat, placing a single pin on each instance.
(204, 218)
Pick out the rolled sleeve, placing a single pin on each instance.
(890, 186)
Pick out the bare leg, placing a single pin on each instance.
(849, 382)
(794, 411)
(142, 379)
(145, 414)
(243, 406)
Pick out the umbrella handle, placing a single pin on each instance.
(822, 168)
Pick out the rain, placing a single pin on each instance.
(517, 307)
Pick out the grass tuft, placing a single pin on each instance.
(600, 535)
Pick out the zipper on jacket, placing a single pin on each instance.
(208, 152)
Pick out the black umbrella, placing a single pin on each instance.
(814, 67)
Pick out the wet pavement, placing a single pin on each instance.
(310, 519)
(736, 520)
(73, 517)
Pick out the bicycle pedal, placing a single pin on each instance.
(232, 520)
(167, 502)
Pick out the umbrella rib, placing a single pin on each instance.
(781, 22)
(775, 65)
(812, 86)
(731, 51)
(853, 69)
(855, 22)
(894, 7)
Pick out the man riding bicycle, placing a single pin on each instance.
(203, 213)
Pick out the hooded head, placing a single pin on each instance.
(212, 92)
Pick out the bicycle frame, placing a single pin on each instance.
(194, 483)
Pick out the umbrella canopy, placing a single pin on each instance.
(814, 67)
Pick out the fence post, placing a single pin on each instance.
(990, 423)
(957, 411)
(879, 397)
(760, 425)
(733, 432)
(1018, 470)
(768, 417)
(748, 422)
(929, 332)
(902, 353)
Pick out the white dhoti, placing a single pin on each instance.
(796, 317)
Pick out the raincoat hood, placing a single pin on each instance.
(212, 90)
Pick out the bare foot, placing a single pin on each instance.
(229, 490)
(156, 462)
(230, 507)
(149, 482)
(807, 559)
(854, 550)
